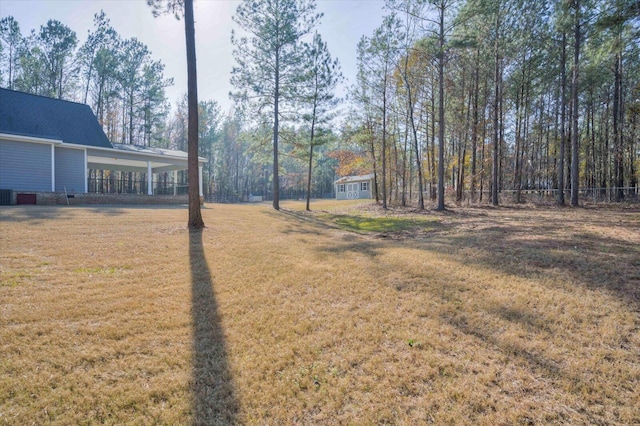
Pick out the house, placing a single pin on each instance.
(49, 145)
(354, 187)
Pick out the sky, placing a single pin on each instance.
(343, 24)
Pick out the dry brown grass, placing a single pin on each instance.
(118, 315)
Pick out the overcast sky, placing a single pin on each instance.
(344, 22)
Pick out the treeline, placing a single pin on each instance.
(240, 155)
(475, 100)
(125, 87)
(117, 77)
(481, 97)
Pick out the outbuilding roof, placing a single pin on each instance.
(24, 114)
(347, 179)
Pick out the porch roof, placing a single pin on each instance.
(135, 158)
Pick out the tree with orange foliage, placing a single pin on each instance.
(351, 163)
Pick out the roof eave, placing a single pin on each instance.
(146, 154)
(32, 139)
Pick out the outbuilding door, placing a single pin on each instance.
(353, 191)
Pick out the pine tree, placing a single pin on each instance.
(321, 79)
(268, 71)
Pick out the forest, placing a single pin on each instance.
(474, 101)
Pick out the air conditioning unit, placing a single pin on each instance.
(5, 197)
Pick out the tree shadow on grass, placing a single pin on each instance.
(538, 337)
(511, 242)
(519, 245)
(300, 222)
(34, 215)
(599, 263)
(214, 400)
(30, 214)
(319, 222)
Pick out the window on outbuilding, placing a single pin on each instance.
(341, 187)
(364, 186)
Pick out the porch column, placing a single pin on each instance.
(149, 179)
(53, 168)
(86, 173)
(175, 183)
(200, 178)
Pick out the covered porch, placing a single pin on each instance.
(146, 163)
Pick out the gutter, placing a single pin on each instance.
(146, 154)
(32, 139)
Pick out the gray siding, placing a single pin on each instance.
(25, 166)
(341, 195)
(352, 191)
(69, 170)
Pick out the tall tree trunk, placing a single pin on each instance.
(195, 215)
(276, 131)
(462, 146)
(496, 113)
(517, 179)
(414, 131)
(605, 151)
(633, 140)
(486, 91)
(100, 103)
(384, 143)
(375, 167)
(618, 163)
(313, 124)
(594, 180)
(575, 169)
(418, 162)
(59, 88)
(474, 128)
(404, 163)
(131, 116)
(502, 151)
(434, 179)
(11, 60)
(309, 176)
(563, 120)
(86, 89)
(441, 204)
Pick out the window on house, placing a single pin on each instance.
(364, 186)
(341, 187)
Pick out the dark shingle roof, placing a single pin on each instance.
(37, 116)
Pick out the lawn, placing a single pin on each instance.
(343, 315)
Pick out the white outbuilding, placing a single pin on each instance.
(354, 187)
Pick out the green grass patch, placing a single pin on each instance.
(379, 224)
(13, 279)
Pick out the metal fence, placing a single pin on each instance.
(111, 185)
(595, 195)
